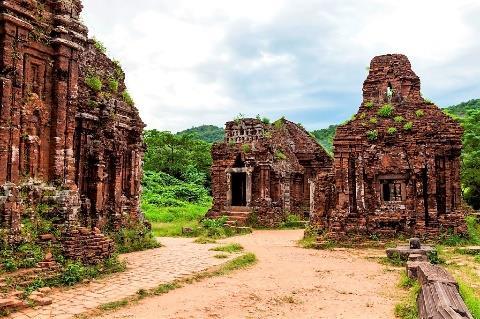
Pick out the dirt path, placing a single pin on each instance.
(287, 282)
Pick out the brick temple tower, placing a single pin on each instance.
(55, 128)
(397, 163)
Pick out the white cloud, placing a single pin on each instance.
(191, 62)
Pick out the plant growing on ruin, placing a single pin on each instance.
(373, 120)
(369, 104)
(246, 148)
(419, 113)
(94, 82)
(278, 124)
(92, 104)
(392, 130)
(99, 45)
(239, 118)
(399, 119)
(127, 98)
(372, 135)
(279, 155)
(113, 85)
(408, 126)
(362, 116)
(386, 110)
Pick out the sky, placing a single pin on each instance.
(194, 62)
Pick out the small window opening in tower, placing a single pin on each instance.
(390, 91)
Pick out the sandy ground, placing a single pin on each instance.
(287, 282)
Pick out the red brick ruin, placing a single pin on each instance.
(396, 166)
(263, 172)
(63, 142)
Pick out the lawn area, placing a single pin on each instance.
(169, 221)
(466, 270)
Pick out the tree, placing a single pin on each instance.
(182, 156)
(471, 158)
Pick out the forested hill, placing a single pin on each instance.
(461, 109)
(207, 133)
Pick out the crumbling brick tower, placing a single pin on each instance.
(55, 129)
(397, 163)
(265, 171)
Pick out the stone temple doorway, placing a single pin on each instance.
(239, 189)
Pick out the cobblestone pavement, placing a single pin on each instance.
(179, 257)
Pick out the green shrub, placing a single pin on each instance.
(392, 131)
(92, 104)
(362, 116)
(278, 124)
(127, 98)
(473, 230)
(399, 119)
(74, 273)
(113, 85)
(373, 120)
(99, 45)
(279, 155)
(408, 126)
(372, 135)
(386, 110)
(134, 238)
(293, 221)
(265, 120)
(369, 104)
(246, 148)
(419, 113)
(94, 82)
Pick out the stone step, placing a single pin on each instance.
(240, 209)
(238, 214)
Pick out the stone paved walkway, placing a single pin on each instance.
(178, 258)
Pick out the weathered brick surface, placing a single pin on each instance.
(266, 169)
(398, 173)
(55, 129)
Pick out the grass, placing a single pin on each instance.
(230, 248)
(464, 269)
(308, 242)
(221, 256)
(169, 221)
(470, 296)
(407, 308)
(114, 305)
(204, 240)
(238, 263)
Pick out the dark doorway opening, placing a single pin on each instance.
(239, 189)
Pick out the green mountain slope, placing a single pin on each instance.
(461, 109)
(207, 133)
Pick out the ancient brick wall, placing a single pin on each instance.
(397, 163)
(273, 165)
(84, 144)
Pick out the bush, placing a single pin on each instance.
(419, 113)
(373, 120)
(113, 85)
(369, 104)
(391, 131)
(399, 119)
(99, 45)
(408, 126)
(134, 238)
(279, 155)
(386, 110)
(94, 82)
(74, 272)
(127, 98)
(372, 135)
(246, 148)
